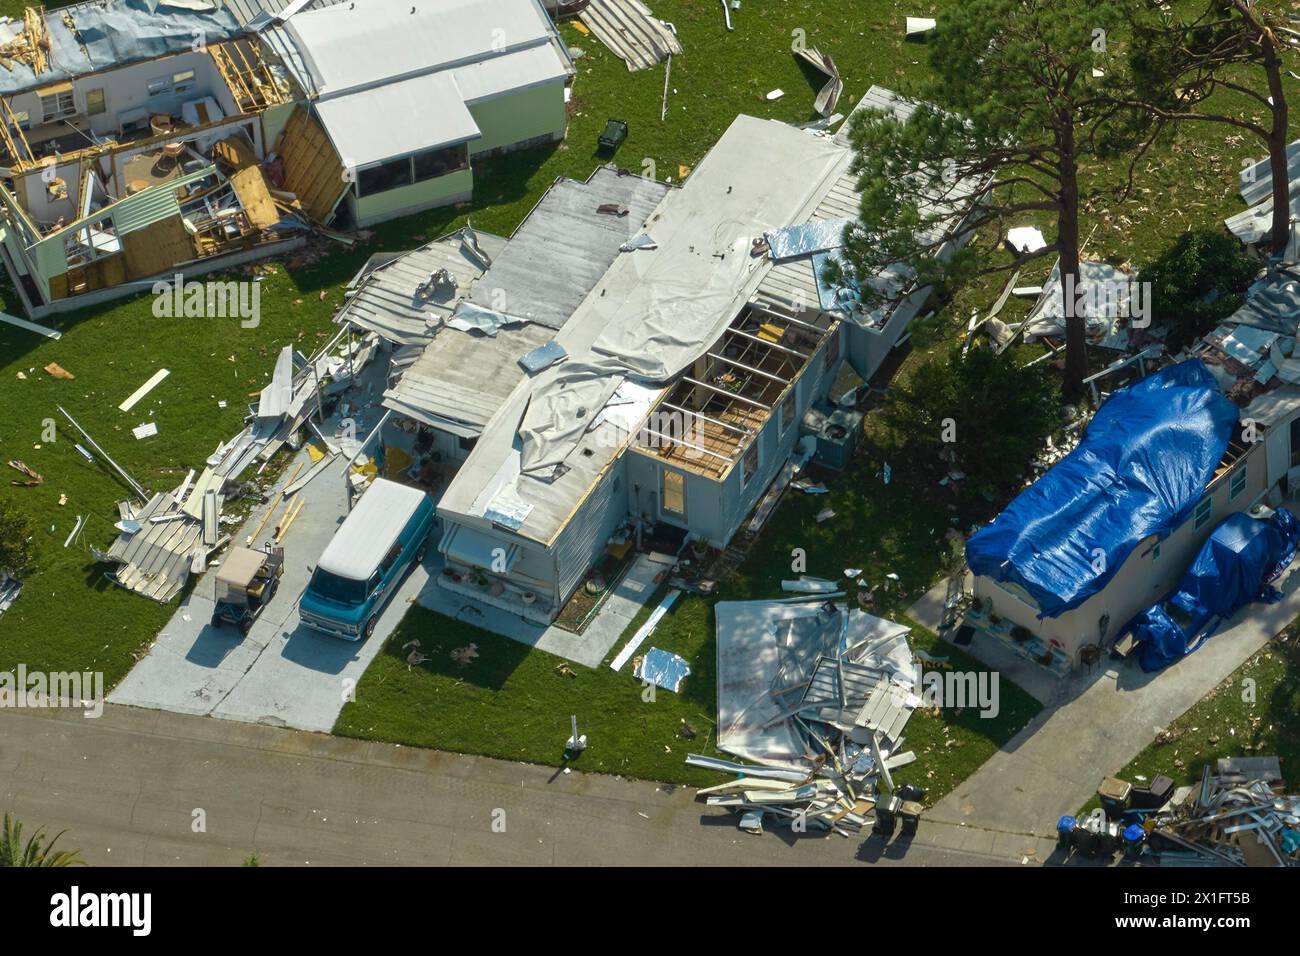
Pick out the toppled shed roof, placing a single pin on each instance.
(113, 33)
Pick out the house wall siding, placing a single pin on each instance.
(523, 116)
(443, 191)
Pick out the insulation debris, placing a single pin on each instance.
(21, 467)
(662, 669)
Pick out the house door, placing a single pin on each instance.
(1278, 445)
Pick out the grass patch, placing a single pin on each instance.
(514, 702)
(1255, 712)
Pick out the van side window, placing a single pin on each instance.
(375, 580)
(391, 558)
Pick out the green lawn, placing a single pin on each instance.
(69, 617)
(514, 703)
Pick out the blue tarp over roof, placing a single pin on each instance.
(1141, 467)
(1232, 569)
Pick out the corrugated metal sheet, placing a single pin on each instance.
(558, 254)
(631, 32)
(153, 205)
(463, 378)
(386, 303)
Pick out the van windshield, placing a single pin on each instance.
(335, 588)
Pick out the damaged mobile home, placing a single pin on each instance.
(634, 357)
(140, 140)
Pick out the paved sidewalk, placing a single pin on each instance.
(1053, 766)
(128, 784)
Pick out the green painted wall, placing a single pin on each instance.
(519, 116)
(442, 191)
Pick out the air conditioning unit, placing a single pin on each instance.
(837, 431)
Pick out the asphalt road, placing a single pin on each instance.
(133, 786)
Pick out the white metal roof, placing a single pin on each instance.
(518, 70)
(370, 125)
(372, 42)
(370, 530)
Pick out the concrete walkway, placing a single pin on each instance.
(589, 648)
(130, 785)
(1094, 725)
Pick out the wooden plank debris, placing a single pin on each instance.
(143, 390)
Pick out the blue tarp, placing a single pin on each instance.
(1141, 467)
(1232, 569)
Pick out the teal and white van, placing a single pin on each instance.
(387, 533)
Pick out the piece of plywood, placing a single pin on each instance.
(313, 170)
(157, 248)
(250, 187)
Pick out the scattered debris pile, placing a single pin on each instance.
(817, 695)
(177, 532)
(1236, 816)
(631, 32)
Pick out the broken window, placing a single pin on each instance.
(95, 102)
(183, 82)
(393, 174)
(674, 497)
(439, 162)
(833, 349)
(58, 105)
(787, 410)
(751, 461)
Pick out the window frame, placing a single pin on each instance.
(386, 164)
(60, 112)
(747, 471)
(1237, 482)
(787, 411)
(1203, 512)
(679, 478)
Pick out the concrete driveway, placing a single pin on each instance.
(280, 673)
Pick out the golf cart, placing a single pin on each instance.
(246, 583)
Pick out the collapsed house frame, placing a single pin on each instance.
(142, 140)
